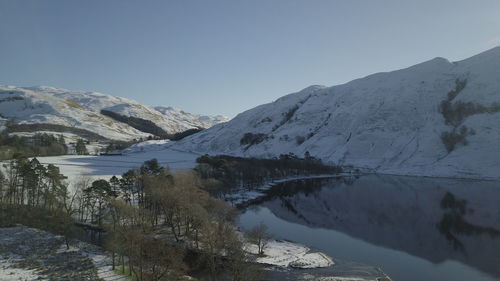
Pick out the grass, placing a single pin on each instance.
(74, 104)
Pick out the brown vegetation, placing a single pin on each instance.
(152, 218)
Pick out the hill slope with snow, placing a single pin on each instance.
(78, 109)
(187, 120)
(437, 118)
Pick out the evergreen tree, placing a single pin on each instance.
(81, 149)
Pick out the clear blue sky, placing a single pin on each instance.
(223, 57)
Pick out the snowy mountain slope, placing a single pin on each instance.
(31, 107)
(177, 116)
(387, 122)
(42, 104)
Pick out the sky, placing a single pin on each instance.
(227, 56)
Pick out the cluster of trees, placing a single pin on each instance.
(456, 136)
(148, 126)
(35, 195)
(186, 133)
(456, 112)
(287, 116)
(158, 224)
(114, 145)
(250, 139)
(453, 223)
(41, 144)
(235, 172)
(81, 148)
(140, 124)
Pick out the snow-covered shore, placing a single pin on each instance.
(288, 254)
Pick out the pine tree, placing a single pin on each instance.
(81, 149)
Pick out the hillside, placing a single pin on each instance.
(186, 120)
(84, 110)
(437, 118)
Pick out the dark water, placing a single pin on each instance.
(414, 229)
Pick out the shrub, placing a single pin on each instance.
(286, 117)
(459, 86)
(451, 139)
(267, 119)
(251, 139)
(300, 139)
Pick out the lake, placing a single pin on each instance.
(413, 228)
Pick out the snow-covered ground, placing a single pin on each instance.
(102, 262)
(97, 167)
(287, 254)
(32, 254)
(177, 116)
(335, 278)
(146, 146)
(9, 272)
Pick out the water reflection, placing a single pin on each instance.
(442, 221)
(454, 222)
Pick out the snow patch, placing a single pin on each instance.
(287, 254)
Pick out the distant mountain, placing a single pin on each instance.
(437, 118)
(187, 120)
(105, 115)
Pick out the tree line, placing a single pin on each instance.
(40, 144)
(149, 126)
(35, 195)
(235, 172)
(86, 134)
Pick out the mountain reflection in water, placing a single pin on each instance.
(413, 228)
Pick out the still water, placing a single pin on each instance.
(414, 229)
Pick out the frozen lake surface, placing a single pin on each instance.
(105, 167)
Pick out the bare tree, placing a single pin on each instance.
(259, 236)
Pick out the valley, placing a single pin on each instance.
(388, 177)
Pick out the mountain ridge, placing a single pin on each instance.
(83, 110)
(395, 122)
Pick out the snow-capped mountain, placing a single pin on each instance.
(182, 118)
(437, 118)
(83, 110)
